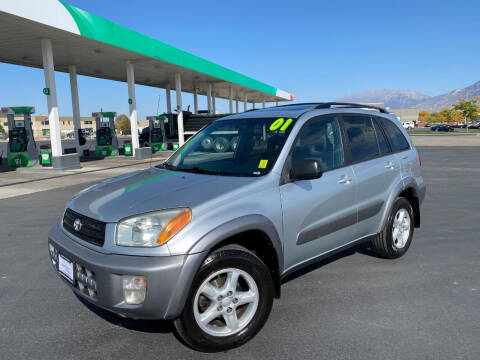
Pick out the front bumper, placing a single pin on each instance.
(168, 278)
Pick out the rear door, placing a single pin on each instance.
(318, 215)
(376, 169)
(400, 147)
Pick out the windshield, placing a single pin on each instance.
(237, 147)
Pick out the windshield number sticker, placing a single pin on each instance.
(263, 164)
(281, 124)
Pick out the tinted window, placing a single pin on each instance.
(361, 136)
(320, 139)
(382, 142)
(395, 136)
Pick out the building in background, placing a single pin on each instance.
(406, 115)
(403, 114)
(41, 126)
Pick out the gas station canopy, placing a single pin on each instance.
(100, 48)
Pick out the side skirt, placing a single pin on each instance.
(327, 254)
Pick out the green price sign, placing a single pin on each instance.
(46, 91)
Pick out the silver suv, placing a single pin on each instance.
(206, 238)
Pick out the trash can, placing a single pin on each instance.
(127, 148)
(45, 155)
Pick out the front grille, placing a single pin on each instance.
(92, 231)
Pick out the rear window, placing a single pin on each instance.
(395, 137)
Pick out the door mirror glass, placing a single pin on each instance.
(306, 169)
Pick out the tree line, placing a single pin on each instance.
(462, 111)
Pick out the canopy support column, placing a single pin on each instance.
(178, 91)
(245, 103)
(263, 104)
(53, 118)
(209, 98)
(195, 97)
(214, 105)
(276, 103)
(236, 102)
(72, 69)
(230, 99)
(169, 98)
(132, 104)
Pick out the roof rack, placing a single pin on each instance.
(329, 105)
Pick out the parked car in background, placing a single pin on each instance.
(474, 126)
(408, 125)
(442, 128)
(3, 136)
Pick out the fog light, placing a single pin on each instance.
(134, 289)
(53, 254)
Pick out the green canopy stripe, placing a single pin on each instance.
(100, 29)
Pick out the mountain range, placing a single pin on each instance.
(413, 99)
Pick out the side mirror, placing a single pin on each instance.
(307, 169)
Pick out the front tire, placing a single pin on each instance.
(395, 239)
(229, 301)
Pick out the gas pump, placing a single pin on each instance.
(22, 148)
(157, 139)
(106, 142)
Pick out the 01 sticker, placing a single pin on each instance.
(281, 124)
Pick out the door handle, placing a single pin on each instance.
(390, 165)
(344, 179)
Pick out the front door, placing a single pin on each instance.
(318, 215)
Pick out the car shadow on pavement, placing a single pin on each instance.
(150, 326)
(363, 248)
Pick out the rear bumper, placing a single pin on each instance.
(422, 190)
(168, 278)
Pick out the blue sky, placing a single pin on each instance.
(318, 50)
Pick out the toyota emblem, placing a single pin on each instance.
(77, 224)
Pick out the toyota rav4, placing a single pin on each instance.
(206, 238)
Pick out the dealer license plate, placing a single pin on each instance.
(65, 268)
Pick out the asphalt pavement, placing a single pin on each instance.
(424, 305)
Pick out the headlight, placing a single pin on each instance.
(152, 229)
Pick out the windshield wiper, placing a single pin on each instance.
(168, 166)
(200, 170)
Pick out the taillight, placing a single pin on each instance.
(419, 159)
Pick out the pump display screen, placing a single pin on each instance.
(18, 139)
(104, 136)
(157, 135)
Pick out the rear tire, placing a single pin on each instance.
(248, 299)
(395, 239)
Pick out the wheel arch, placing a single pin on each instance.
(254, 232)
(407, 188)
(411, 195)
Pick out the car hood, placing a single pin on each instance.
(150, 190)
